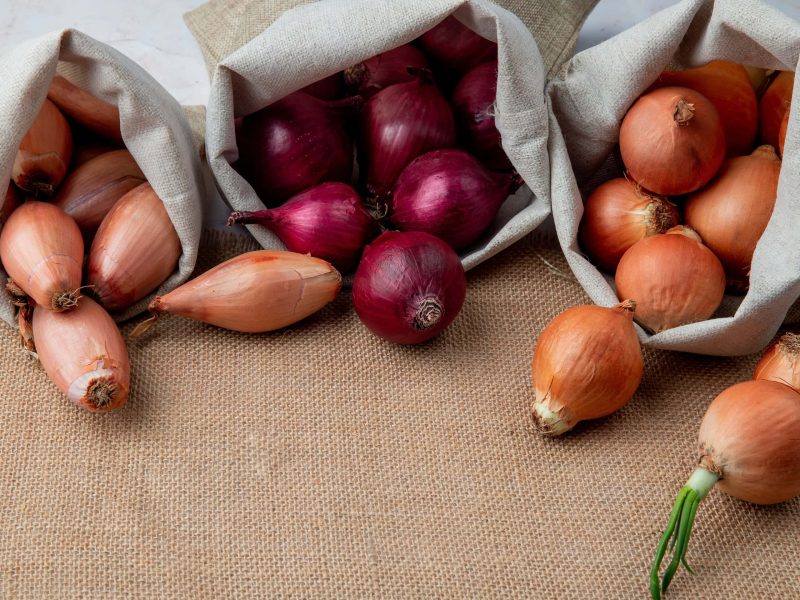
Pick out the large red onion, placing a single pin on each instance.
(329, 88)
(398, 124)
(295, 143)
(379, 72)
(327, 221)
(409, 287)
(473, 101)
(456, 46)
(449, 194)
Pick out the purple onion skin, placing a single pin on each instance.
(473, 103)
(374, 74)
(408, 287)
(327, 221)
(329, 88)
(295, 143)
(449, 194)
(456, 46)
(398, 124)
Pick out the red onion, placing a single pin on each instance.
(456, 46)
(473, 102)
(329, 88)
(449, 194)
(327, 221)
(295, 143)
(409, 287)
(381, 71)
(401, 122)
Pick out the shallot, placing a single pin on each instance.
(44, 153)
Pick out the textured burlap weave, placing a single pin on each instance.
(321, 462)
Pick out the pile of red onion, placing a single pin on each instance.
(420, 120)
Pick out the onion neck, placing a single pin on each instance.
(684, 112)
(548, 422)
(428, 313)
(766, 152)
(627, 307)
(354, 76)
(250, 217)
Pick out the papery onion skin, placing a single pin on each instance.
(749, 436)
(449, 194)
(619, 213)
(93, 113)
(42, 251)
(781, 362)
(44, 153)
(672, 141)
(400, 123)
(782, 132)
(674, 278)
(455, 46)
(135, 250)
(84, 354)
(408, 287)
(732, 212)
(587, 364)
(295, 143)
(327, 221)
(11, 202)
(773, 106)
(254, 292)
(474, 105)
(388, 68)
(727, 85)
(328, 88)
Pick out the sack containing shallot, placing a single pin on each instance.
(101, 178)
(684, 187)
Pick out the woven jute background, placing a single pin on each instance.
(321, 462)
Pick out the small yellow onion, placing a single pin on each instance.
(749, 447)
(44, 153)
(84, 354)
(134, 251)
(587, 364)
(781, 362)
(255, 292)
(673, 277)
(93, 188)
(42, 251)
(91, 112)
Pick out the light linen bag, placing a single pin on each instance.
(589, 99)
(313, 41)
(153, 126)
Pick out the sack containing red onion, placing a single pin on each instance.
(103, 182)
(407, 116)
(684, 192)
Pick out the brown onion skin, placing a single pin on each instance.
(587, 364)
(732, 212)
(374, 74)
(664, 155)
(781, 362)
(749, 437)
(782, 132)
(727, 85)
(674, 279)
(773, 106)
(408, 287)
(618, 214)
(455, 46)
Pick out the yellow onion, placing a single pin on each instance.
(93, 188)
(10, 204)
(587, 364)
(749, 447)
(673, 277)
(255, 292)
(781, 362)
(44, 153)
(91, 112)
(134, 251)
(42, 251)
(83, 353)
(732, 212)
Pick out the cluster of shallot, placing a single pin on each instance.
(429, 177)
(687, 146)
(83, 234)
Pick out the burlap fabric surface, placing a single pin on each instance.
(153, 126)
(321, 462)
(589, 100)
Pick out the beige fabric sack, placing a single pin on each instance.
(301, 47)
(153, 127)
(589, 99)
